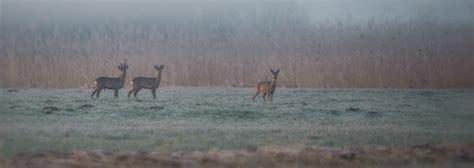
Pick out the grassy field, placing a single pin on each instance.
(225, 118)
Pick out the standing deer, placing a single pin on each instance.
(139, 83)
(267, 87)
(111, 83)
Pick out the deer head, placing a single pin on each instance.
(275, 73)
(159, 68)
(123, 67)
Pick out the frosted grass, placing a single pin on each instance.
(226, 118)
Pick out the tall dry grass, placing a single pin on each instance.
(237, 47)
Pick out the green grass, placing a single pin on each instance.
(226, 118)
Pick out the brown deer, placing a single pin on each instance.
(111, 83)
(267, 87)
(139, 83)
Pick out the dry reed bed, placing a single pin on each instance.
(266, 156)
(237, 46)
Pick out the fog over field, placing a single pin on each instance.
(360, 83)
(322, 43)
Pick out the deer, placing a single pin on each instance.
(267, 87)
(139, 83)
(111, 83)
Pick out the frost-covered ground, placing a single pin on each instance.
(187, 119)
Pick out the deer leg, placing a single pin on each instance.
(93, 93)
(98, 92)
(256, 94)
(265, 94)
(130, 92)
(270, 96)
(153, 91)
(135, 93)
(115, 93)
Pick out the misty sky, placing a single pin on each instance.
(348, 11)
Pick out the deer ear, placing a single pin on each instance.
(162, 66)
(271, 70)
(277, 70)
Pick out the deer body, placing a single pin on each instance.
(111, 83)
(139, 83)
(267, 87)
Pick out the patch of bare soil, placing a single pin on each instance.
(50, 109)
(426, 155)
(12, 90)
